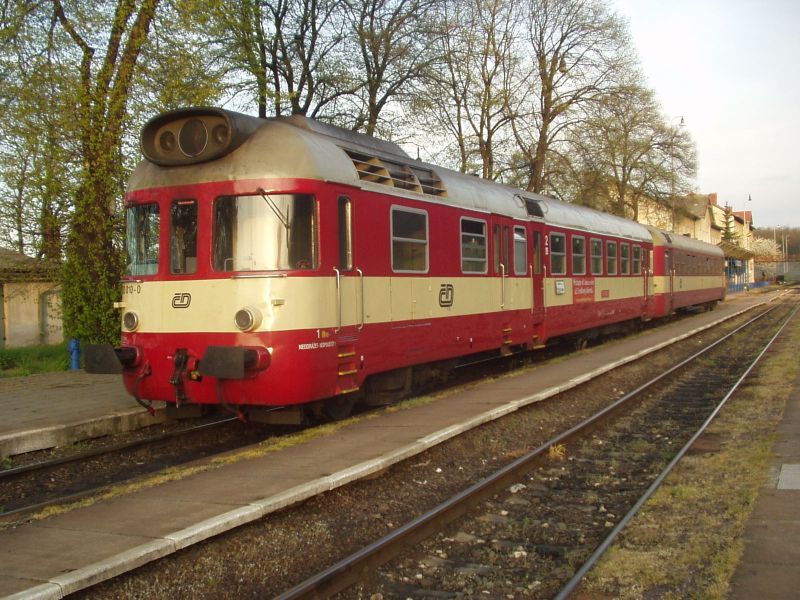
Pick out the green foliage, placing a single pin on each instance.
(33, 359)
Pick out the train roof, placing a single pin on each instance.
(243, 147)
(682, 242)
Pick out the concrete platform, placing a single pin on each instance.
(53, 409)
(38, 560)
(770, 566)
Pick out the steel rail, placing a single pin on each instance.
(47, 464)
(346, 572)
(44, 465)
(614, 533)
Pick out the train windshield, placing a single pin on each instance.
(264, 233)
(141, 239)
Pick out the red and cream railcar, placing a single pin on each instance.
(283, 261)
(687, 273)
(597, 270)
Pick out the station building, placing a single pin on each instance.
(30, 302)
(700, 216)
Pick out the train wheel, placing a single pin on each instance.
(580, 343)
(339, 407)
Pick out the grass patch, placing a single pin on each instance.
(17, 362)
(688, 539)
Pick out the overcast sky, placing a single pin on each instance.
(731, 68)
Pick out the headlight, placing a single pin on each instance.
(247, 318)
(193, 138)
(130, 321)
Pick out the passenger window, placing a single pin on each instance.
(637, 260)
(183, 237)
(409, 240)
(264, 232)
(520, 251)
(611, 258)
(558, 254)
(473, 246)
(578, 255)
(625, 259)
(345, 234)
(597, 257)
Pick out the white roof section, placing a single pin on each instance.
(296, 147)
(590, 220)
(682, 242)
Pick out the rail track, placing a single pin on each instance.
(33, 486)
(70, 477)
(536, 526)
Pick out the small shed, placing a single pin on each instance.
(30, 301)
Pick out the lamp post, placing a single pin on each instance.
(785, 255)
(747, 244)
(681, 123)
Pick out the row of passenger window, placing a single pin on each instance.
(410, 249)
(410, 245)
(619, 258)
(691, 264)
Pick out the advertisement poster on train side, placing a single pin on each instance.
(582, 289)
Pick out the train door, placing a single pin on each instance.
(647, 273)
(669, 283)
(536, 273)
(349, 301)
(502, 268)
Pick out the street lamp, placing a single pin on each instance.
(672, 169)
(746, 241)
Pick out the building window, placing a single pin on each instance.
(473, 246)
(558, 254)
(409, 240)
(578, 255)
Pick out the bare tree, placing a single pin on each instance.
(580, 52)
(625, 153)
(292, 51)
(474, 96)
(396, 45)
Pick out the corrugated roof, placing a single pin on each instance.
(734, 251)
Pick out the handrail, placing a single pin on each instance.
(533, 290)
(502, 285)
(361, 285)
(338, 300)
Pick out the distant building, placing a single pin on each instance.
(701, 217)
(30, 302)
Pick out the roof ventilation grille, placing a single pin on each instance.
(386, 171)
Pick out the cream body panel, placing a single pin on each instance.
(619, 288)
(686, 283)
(291, 303)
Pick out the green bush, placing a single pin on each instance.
(33, 359)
